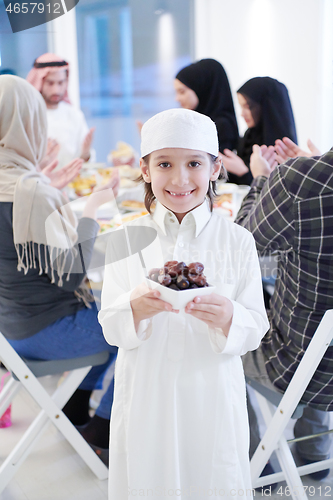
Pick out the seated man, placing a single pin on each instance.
(66, 124)
(289, 211)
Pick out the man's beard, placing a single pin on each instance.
(54, 99)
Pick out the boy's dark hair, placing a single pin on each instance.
(211, 193)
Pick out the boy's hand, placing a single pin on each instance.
(214, 310)
(145, 303)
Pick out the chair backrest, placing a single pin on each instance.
(273, 396)
(314, 353)
(25, 373)
(319, 344)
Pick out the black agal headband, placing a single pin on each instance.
(49, 64)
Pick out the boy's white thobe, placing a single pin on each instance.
(179, 425)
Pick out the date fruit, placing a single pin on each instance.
(182, 282)
(195, 268)
(164, 279)
(154, 274)
(199, 280)
(178, 276)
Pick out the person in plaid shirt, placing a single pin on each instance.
(289, 211)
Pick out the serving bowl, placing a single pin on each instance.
(179, 298)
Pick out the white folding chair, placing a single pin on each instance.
(276, 419)
(25, 373)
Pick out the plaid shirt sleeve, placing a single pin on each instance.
(267, 212)
(291, 212)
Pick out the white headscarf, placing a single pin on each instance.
(23, 138)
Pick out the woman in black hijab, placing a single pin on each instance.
(267, 110)
(204, 87)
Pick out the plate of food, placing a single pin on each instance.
(132, 205)
(229, 199)
(128, 175)
(118, 220)
(128, 218)
(223, 204)
(124, 154)
(105, 225)
(179, 283)
(83, 184)
(92, 166)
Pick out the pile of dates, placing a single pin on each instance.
(178, 276)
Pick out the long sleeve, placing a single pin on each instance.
(267, 212)
(249, 323)
(116, 315)
(233, 268)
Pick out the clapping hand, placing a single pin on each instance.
(263, 160)
(139, 125)
(60, 178)
(52, 151)
(113, 183)
(233, 163)
(102, 194)
(286, 149)
(86, 145)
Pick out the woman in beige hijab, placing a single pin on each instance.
(46, 312)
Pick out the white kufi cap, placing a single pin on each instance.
(179, 128)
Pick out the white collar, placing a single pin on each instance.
(199, 216)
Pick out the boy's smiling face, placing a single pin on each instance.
(180, 177)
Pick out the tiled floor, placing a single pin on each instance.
(53, 471)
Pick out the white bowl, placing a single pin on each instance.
(179, 298)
